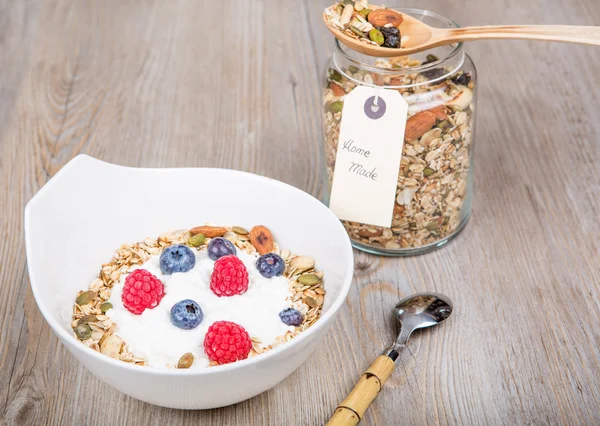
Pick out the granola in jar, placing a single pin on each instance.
(433, 195)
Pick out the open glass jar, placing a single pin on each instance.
(433, 195)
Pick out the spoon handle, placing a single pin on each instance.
(353, 408)
(564, 33)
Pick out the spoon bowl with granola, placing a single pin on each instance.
(193, 295)
(384, 32)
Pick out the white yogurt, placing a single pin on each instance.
(153, 337)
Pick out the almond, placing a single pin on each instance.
(418, 125)
(370, 232)
(380, 17)
(262, 239)
(336, 89)
(440, 112)
(209, 231)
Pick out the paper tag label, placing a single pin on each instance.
(368, 156)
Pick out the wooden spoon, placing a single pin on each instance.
(423, 37)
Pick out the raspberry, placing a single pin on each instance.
(226, 342)
(142, 291)
(230, 277)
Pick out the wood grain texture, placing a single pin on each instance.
(237, 84)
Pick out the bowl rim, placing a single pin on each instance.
(60, 331)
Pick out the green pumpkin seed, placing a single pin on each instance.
(444, 125)
(335, 75)
(365, 13)
(339, 9)
(239, 230)
(432, 58)
(336, 106)
(85, 297)
(105, 307)
(353, 69)
(428, 172)
(186, 360)
(376, 36)
(356, 31)
(86, 319)
(347, 2)
(309, 279)
(432, 226)
(197, 240)
(83, 331)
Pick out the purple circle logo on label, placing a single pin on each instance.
(374, 110)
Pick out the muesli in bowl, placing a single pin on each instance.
(202, 297)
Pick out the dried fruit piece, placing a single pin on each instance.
(186, 360)
(209, 231)
(381, 17)
(197, 240)
(369, 232)
(392, 36)
(309, 279)
(462, 79)
(83, 331)
(262, 239)
(239, 230)
(85, 297)
(434, 74)
(418, 125)
(337, 91)
(376, 36)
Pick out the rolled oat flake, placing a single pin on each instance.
(368, 156)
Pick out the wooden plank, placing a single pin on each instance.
(237, 84)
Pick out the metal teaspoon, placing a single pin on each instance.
(420, 310)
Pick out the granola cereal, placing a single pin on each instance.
(432, 195)
(92, 320)
(374, 25)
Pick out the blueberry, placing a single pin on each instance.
(177, 258)
(270, 265)
(462, 79)
(219, 247)
(186, 314)
(290, 316)
(391, 36)
(390, 31)
(434, 73)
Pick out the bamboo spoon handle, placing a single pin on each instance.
(353, 408)
(564, 33)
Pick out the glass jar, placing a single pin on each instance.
(435, 183)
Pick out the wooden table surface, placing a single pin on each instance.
(237, 84)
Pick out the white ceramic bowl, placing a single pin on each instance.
(77, 220)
